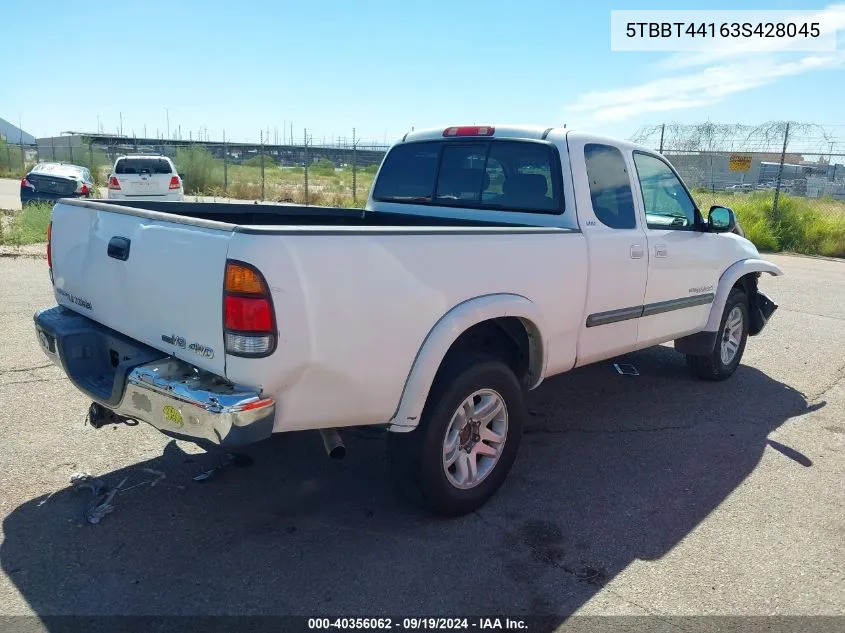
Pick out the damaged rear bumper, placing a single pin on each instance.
(139, 382)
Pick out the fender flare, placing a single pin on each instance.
(447, 330)
(727, 281)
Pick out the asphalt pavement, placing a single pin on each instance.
(656, 495)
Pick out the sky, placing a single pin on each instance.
(383, 67)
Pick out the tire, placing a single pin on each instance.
(418, 458)
(730, 340)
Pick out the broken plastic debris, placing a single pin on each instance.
(229, 459)
(159, 475)
(85, 480)
(101, 505)
(626, 369)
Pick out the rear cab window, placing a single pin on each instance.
(508, 175)
(137, 166)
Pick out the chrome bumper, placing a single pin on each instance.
(165, 392)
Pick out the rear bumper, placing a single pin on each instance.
(173, 196)
(140, 382)
(28, 196)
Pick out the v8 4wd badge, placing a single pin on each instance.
(201, 350)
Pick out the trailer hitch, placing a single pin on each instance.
(99, 416)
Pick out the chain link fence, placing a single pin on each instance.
(785, 181)
(338, 173)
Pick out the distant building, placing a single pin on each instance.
(13, 134)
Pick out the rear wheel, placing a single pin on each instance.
(467, 439)
(722, 362)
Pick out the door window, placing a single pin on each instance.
(665, 199)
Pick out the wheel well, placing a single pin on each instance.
(516, 341)
(748, 284)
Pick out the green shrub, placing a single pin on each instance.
(200, 171)
(322, 167)
(11, 165)
(811, 226)
(28, 226)
(255, 161)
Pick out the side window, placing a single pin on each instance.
(610, 186)
(667, 204)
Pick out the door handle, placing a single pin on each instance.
(660, 250)
(636, 251)
(119, 248)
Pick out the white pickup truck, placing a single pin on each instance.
(487, 259)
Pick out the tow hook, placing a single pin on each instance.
(99, 416)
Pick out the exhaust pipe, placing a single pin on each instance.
(333, 443)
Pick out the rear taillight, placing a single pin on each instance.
(84, 190)
(174, 182)
(113, 184)
(249, 321)
(26, 183)
(49, 246)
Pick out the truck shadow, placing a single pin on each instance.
(613, 469)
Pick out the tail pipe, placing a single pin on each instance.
(333, 443)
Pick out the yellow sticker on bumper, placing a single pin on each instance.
(172, 414)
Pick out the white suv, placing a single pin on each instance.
(144, 177)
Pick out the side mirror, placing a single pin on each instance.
(721, 220)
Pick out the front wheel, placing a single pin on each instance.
(467, 439)
(722, 362)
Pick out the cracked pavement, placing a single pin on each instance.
(632, 495)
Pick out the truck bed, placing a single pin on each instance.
(297, 215)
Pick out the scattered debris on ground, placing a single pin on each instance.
(227, 459)
(626, 369)
(103, 495)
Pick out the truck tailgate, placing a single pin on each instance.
(156, 281)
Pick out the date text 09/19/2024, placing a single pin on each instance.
(418, 623)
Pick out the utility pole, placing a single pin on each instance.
(780, 171)
(354, 169)
(121, 123)
(305, 151)
(167, 112)
(23, 155)
(225, 164)
(662, 130)
(262, 164)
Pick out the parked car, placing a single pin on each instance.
(145, 178)
(47, 182)
(431, 312)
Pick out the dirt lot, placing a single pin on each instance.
(655, 494)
